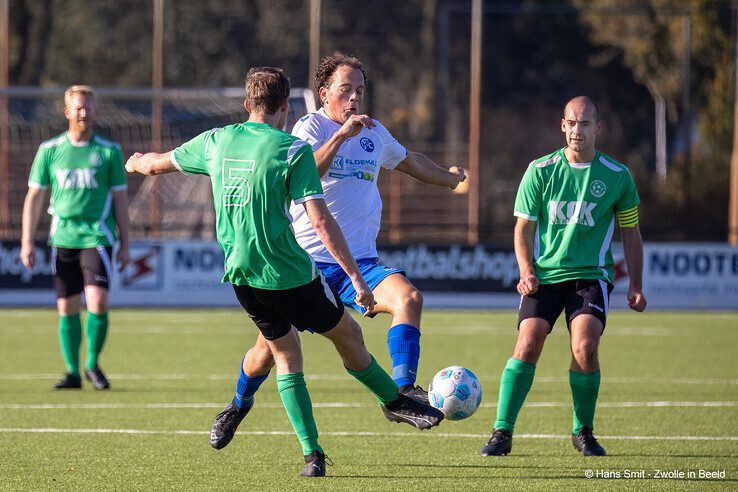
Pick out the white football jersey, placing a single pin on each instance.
(349, 186)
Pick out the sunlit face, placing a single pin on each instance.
(343, 96)
(581, 126)
(81, 112)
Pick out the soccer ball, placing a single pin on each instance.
(456, 392)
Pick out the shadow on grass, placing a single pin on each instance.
(667, 455)
(490, 465)
(466, 477)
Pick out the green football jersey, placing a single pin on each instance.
(575, 207)
(255, 172)
(82, 179)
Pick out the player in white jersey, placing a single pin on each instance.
(350, 148)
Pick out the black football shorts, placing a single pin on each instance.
(73, 269)
(314, 306)
(575, 297)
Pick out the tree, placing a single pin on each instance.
(657, 40)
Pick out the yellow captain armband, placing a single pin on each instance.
(629, 217)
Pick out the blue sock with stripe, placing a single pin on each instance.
(246, 387)
(403, 342)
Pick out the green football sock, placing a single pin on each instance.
(96, 328)
(70, 338)
(516, 381)
(296, 400)
(377, 381)
(584, 391)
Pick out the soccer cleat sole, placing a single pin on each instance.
(422, 424)
(67, 387)
(312, 471)
(66, 384)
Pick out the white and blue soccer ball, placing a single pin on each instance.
(456, 392)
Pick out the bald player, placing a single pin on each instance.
(567, 205)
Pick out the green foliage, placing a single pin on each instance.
(650, 37)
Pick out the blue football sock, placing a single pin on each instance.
(403, 342)
(246, 387)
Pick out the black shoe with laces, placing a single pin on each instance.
(410, 411)
(416, 393)
(585, 443)
(97, 379)
(226, 424)
(315, 465)
(499, 444)
(69, 381)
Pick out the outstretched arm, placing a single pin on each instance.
(420, 167)
(151, 163)
(633, 249)
(330, 234)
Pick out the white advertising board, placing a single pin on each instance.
(188, 273)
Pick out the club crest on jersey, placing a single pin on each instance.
(366, 144)
(597, 188)
(563, 212)
(95, 158)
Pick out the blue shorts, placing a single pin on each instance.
(373, 274)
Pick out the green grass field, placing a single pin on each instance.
(668, 401)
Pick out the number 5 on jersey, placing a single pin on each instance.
(236, 186)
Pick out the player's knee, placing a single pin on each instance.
(98, 306)
(528, 349)
(68, 305)
(97, 300)
(412, 300)
(527, 353)
(351, 337)
(585, 351)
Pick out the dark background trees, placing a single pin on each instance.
(536, 54)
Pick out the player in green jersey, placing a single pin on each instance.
(566, 209)
(89, 209)
(256, 171)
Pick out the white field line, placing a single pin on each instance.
(424, 435)
(536, 404)
(346, 377)
(99, 406)
(208, 329)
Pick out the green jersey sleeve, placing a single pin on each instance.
(190, 156)
(39, 177)
(117, 171)
(303, 179)
(528, 199)
(629, 199)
